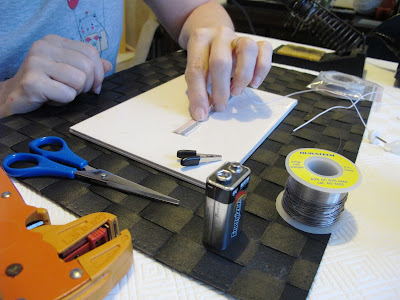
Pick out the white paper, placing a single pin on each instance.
(142, 128)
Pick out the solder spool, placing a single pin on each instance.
(316, 190)
(346, 86)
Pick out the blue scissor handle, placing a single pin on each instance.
(44, 167)
(64, 155)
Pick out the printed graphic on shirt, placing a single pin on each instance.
(72, 4)
(91, 28)
(92, 32)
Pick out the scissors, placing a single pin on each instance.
(65, 163)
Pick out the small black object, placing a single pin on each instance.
(186, 153)
(190, 161)
(192, 158)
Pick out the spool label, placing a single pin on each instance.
(345, 178)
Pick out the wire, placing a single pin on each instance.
(246, 16)
(361, 97)
(286, 96)
(339, 106)
(340, 143)
(393, 147)
(354, 104)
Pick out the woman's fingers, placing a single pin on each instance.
(220, 69)
(82, 56)
(263, 64)
(246, 52)
(219, 54)
(196, 74)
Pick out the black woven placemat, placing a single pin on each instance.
(271, 259)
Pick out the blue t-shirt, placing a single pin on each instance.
(22, 22)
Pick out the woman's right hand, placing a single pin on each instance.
(56, 69)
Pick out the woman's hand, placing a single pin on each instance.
(55, 69)
(216, 55)
(215, 52)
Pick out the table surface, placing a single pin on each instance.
(362, 259)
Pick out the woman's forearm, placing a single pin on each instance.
(210, 14)
(182, 18)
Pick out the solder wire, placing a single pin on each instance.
(354, 104)
(312, 207)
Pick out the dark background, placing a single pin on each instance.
(272, 19)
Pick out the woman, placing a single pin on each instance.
(54, 50)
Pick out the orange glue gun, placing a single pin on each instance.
(83, 259)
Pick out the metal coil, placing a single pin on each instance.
(330, 30)
(316, 190)
(312, 207)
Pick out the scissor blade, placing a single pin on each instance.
(111, 180)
